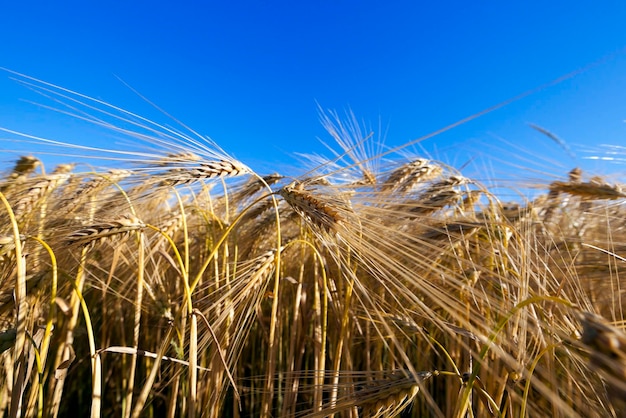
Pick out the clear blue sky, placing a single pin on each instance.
(249, 73)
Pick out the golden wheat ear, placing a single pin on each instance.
(119, 227)
(24, 167)
(203, 171)
(596, 188)
(315, 209)
(607, 353)
(149, 146)
(408, 175)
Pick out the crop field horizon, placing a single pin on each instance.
(166, 278)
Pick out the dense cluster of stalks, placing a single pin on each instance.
(371, 286)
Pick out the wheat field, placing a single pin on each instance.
(179, 282)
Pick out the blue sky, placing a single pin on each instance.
(250, 74)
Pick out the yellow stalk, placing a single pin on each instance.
(19, 382)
